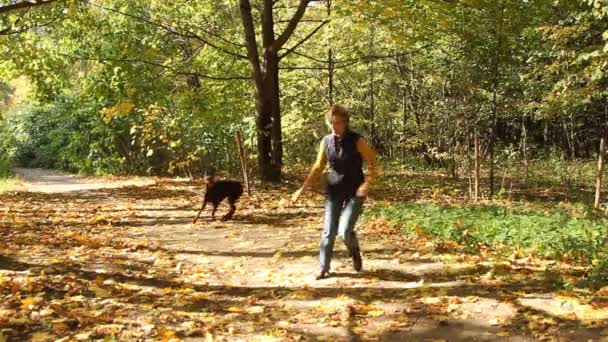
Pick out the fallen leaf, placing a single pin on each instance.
(277, 256)
(255, 310)
(167, 335)
(42, 337)
(27, 303)
(375, 313)
(99, 292)
(440, 318)
(494, 321)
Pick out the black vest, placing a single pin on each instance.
(345, 165)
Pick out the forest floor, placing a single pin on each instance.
(119, 259)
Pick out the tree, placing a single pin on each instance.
(265, 74)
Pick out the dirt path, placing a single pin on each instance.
(133, 256)
(45, 181)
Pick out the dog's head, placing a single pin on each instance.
(209, 181)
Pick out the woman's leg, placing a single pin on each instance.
(333, 207)
(346, 228)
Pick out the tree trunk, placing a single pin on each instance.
(330, 64)
(272, 75)
(264, 143)
(403, 150)
(601, 161)
(497, 62)
(524, 141)
(600, 171)
(265, 76)
(477, 162)
(372, 75)
(243, 159)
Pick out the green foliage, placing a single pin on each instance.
(6, 150)
(559, 231)
(79, 134)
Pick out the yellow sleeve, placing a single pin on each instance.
(319, 164)
(369, 155)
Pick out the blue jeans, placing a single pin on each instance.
(341, 214)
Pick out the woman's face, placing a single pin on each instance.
(338, 125)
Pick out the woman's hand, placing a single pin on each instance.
(363, 191)
(306, 186)
(296, 195)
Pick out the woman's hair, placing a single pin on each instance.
(339, 111)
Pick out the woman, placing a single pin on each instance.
(346, 188)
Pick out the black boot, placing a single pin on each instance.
(322, 275)
(357, 262)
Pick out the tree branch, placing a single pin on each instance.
(310, 57)
(252, 47)
(290, 50)
(24, 4)
(348, 62)
(291, 27)
(187, 34)
(174, 70)
(8, 31)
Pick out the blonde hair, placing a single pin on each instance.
(339, 111)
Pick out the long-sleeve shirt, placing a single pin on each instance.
(367, 153)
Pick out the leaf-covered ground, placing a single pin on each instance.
(119, 259)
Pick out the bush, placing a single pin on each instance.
(6, 150)
(82, 135)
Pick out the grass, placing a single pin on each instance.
(10, 184)
(553, 231)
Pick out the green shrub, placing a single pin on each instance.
(6, 150)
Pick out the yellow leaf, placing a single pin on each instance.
(255, 310)
(277, 256)
(375, 313)
(27, 302)
(200, 296)
(42, 337)
(503, 334)
(494, 321)
(235, 309)
(99, 292)
(168, 335)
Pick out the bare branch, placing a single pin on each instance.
(187, 34)
(289, 68)
(290, 50)
(24, 4)
(291, 27)
(174, 70)
(310, 57)
(8, 31)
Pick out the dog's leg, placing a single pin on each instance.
(231, 212)
(213, 211)
(199, 212)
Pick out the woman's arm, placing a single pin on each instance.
(369, 155)
(315, 171)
